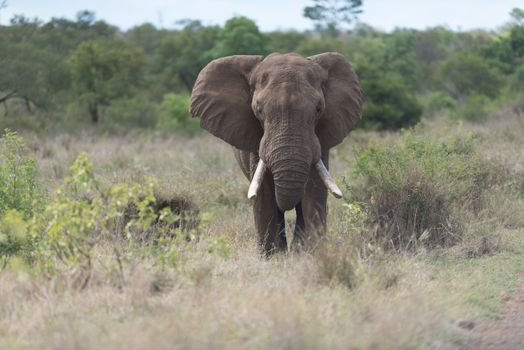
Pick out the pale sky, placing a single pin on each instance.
(273, 14)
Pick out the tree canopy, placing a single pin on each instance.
(86, 70)
(332, 15)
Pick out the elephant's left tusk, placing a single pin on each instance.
(327, 179)
(257, 179)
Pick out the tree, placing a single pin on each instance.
(389, 104)
(331, 15)
(286, 41)
(182, 54)
(465, 74)
(240, 36)
(102, 72)
(518, 16)
(145, 36)
(27, 71)
(63, 36)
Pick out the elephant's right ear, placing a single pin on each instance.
(221, 98)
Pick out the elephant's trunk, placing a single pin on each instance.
(290, 166)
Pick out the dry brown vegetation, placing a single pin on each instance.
(349, 293)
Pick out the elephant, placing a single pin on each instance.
(282, 114)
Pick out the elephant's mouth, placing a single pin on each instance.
(324, 174)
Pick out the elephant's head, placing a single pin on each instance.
(286, 108)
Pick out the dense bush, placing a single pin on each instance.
(125, 113)
(175, 116)
(19, 189)
(476, 108)
(388, 102)
(517, 82)
(416, 189)
(20, 196)
(437, 102)
(465, 74)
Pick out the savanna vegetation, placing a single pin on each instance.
(123, 226)
(63, 74)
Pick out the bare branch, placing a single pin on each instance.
(8, 96)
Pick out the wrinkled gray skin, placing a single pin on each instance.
(289, 111)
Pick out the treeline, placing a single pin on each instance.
(69, 73)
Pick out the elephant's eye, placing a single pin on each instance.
(259, 109)
(319, 107)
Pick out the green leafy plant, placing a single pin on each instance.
(476, 108)
(14, 236)
(19, 188)
(219, 246)
(81, 214)
(416, 190)
(175, 115)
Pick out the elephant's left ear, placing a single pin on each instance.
(343, 98)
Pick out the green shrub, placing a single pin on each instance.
(476, 108)
(417, 189)
(175, 116)
(389, 102)
(517, 81)
(19, 189)
(14, 236)
(130, 112)
(437, 102)
(81, 215)
(20, 196)
(466, 74)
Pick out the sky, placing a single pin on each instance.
(273, 14)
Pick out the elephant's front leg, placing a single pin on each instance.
(311, 211)
(269, 220)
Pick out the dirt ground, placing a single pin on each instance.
(507, 333)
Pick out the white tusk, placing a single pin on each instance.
(327, 179)
(257, 179)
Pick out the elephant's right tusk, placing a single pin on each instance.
(327, 179)
(257, 179)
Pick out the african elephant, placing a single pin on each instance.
(282, 114)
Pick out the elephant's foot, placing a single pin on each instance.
(282, 240)
(299, 235)
(274, 241)
(304, 236)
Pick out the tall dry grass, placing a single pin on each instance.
(337, 297)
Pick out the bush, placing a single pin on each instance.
(466, 74)
(20, 195)
(517, 81)
(175, 116)
(130, 112)
(389, 103)
(437, 102)
(476, 108)
(82, 215)
(14, 237)
(417, 189)
(19, 189)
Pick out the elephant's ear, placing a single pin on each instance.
(221, 98)
(343, 98)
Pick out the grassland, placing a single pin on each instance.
(222, 294)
